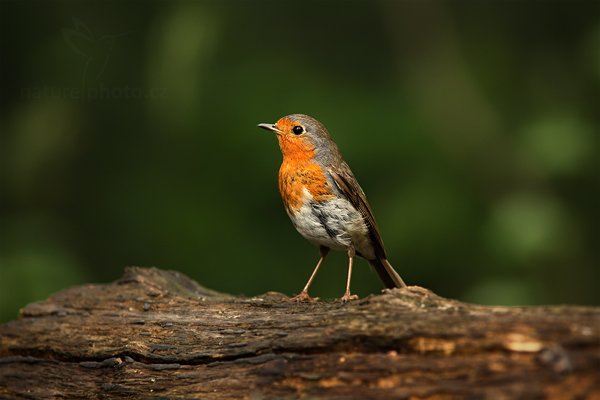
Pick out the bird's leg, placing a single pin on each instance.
(347, 296)
(304, 294)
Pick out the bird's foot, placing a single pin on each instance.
(303, 296)
(347, 297)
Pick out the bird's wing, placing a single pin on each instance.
(346, 182)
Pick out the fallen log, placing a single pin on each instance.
(158, 334)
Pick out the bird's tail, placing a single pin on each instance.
(387, 273)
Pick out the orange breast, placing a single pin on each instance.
(293, 179)
(299, 171)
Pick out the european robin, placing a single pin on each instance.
(324, 201)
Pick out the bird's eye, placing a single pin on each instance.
(297, 130)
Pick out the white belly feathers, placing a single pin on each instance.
(333, 223)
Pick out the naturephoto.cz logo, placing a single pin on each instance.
(96, 52)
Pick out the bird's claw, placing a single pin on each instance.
(347, 297)
(303, 296)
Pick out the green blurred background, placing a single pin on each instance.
(128, 137)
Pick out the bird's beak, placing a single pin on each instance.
(270, 127)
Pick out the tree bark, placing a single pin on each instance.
(158, 334)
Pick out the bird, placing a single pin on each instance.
(324, 201)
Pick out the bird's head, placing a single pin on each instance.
(301, 136)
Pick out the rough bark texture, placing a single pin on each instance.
(156, 333)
